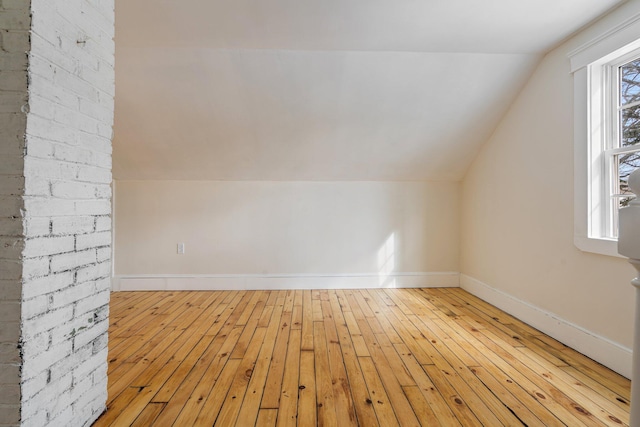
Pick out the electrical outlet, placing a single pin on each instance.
(180, 248)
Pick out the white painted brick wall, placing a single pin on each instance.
(66, 225)
(66, 194)
(55, 224)
(47, 284)
(72, 260)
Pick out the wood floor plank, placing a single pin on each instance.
(296, 318)
(251, 323)
(196, 357)
(511, 394)
(426, 387)
(561, 405)
(379, 397)
(288, 404)
(307, 410)
(404, 377)
(124, 371)
(273, 297)
(273, 384)
(367, 357)
(136, 302)
(197, 379)
(113, 411)
(492, 315)
(251, 407)
(266, 418)
(513, 374)
(345, 410)
(316, 310)
(205, 370)
(307, 321)
(401, 405)
(128, 372)
(511, 401)
(156, 323)
(613, 381)
(463, 380)
(596, 387)
(247, 313)
(148, 415)
(421, 407)
(153, 377)
(211, 408)
(602, 408)
(421, 347)
(458, 404)
(289, 301)
(381, 311)
(361, 397)
(324, 388)
(185, 412)
(231, 407)
(235, 396)
(174, 304)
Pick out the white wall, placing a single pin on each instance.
(517, 220)
(285, 228)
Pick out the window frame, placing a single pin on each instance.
(591, 66)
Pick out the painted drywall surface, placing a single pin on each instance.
(285, 227)
(517, 207)
(364, 90)
(272, 115)
(357, 25)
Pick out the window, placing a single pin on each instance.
(606, 73)
(621, 155)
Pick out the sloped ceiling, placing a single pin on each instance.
(322, 90)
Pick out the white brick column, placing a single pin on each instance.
(55, 253)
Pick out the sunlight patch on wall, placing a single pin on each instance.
(387, 262)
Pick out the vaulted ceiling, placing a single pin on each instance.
(323, 90)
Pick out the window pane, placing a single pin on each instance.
(630, 82)
(627, 163)
(630, 126)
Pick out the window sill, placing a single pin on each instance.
(607, 247)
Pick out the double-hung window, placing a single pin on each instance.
(606, 73)
(621, 155)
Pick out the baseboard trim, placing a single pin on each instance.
(610, 354)
(283, 281)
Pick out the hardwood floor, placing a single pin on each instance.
(346, 357)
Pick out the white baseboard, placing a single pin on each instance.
(283, 281)
(610, 354)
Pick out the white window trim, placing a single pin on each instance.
(589, 170)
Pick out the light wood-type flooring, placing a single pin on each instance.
(383, 357)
